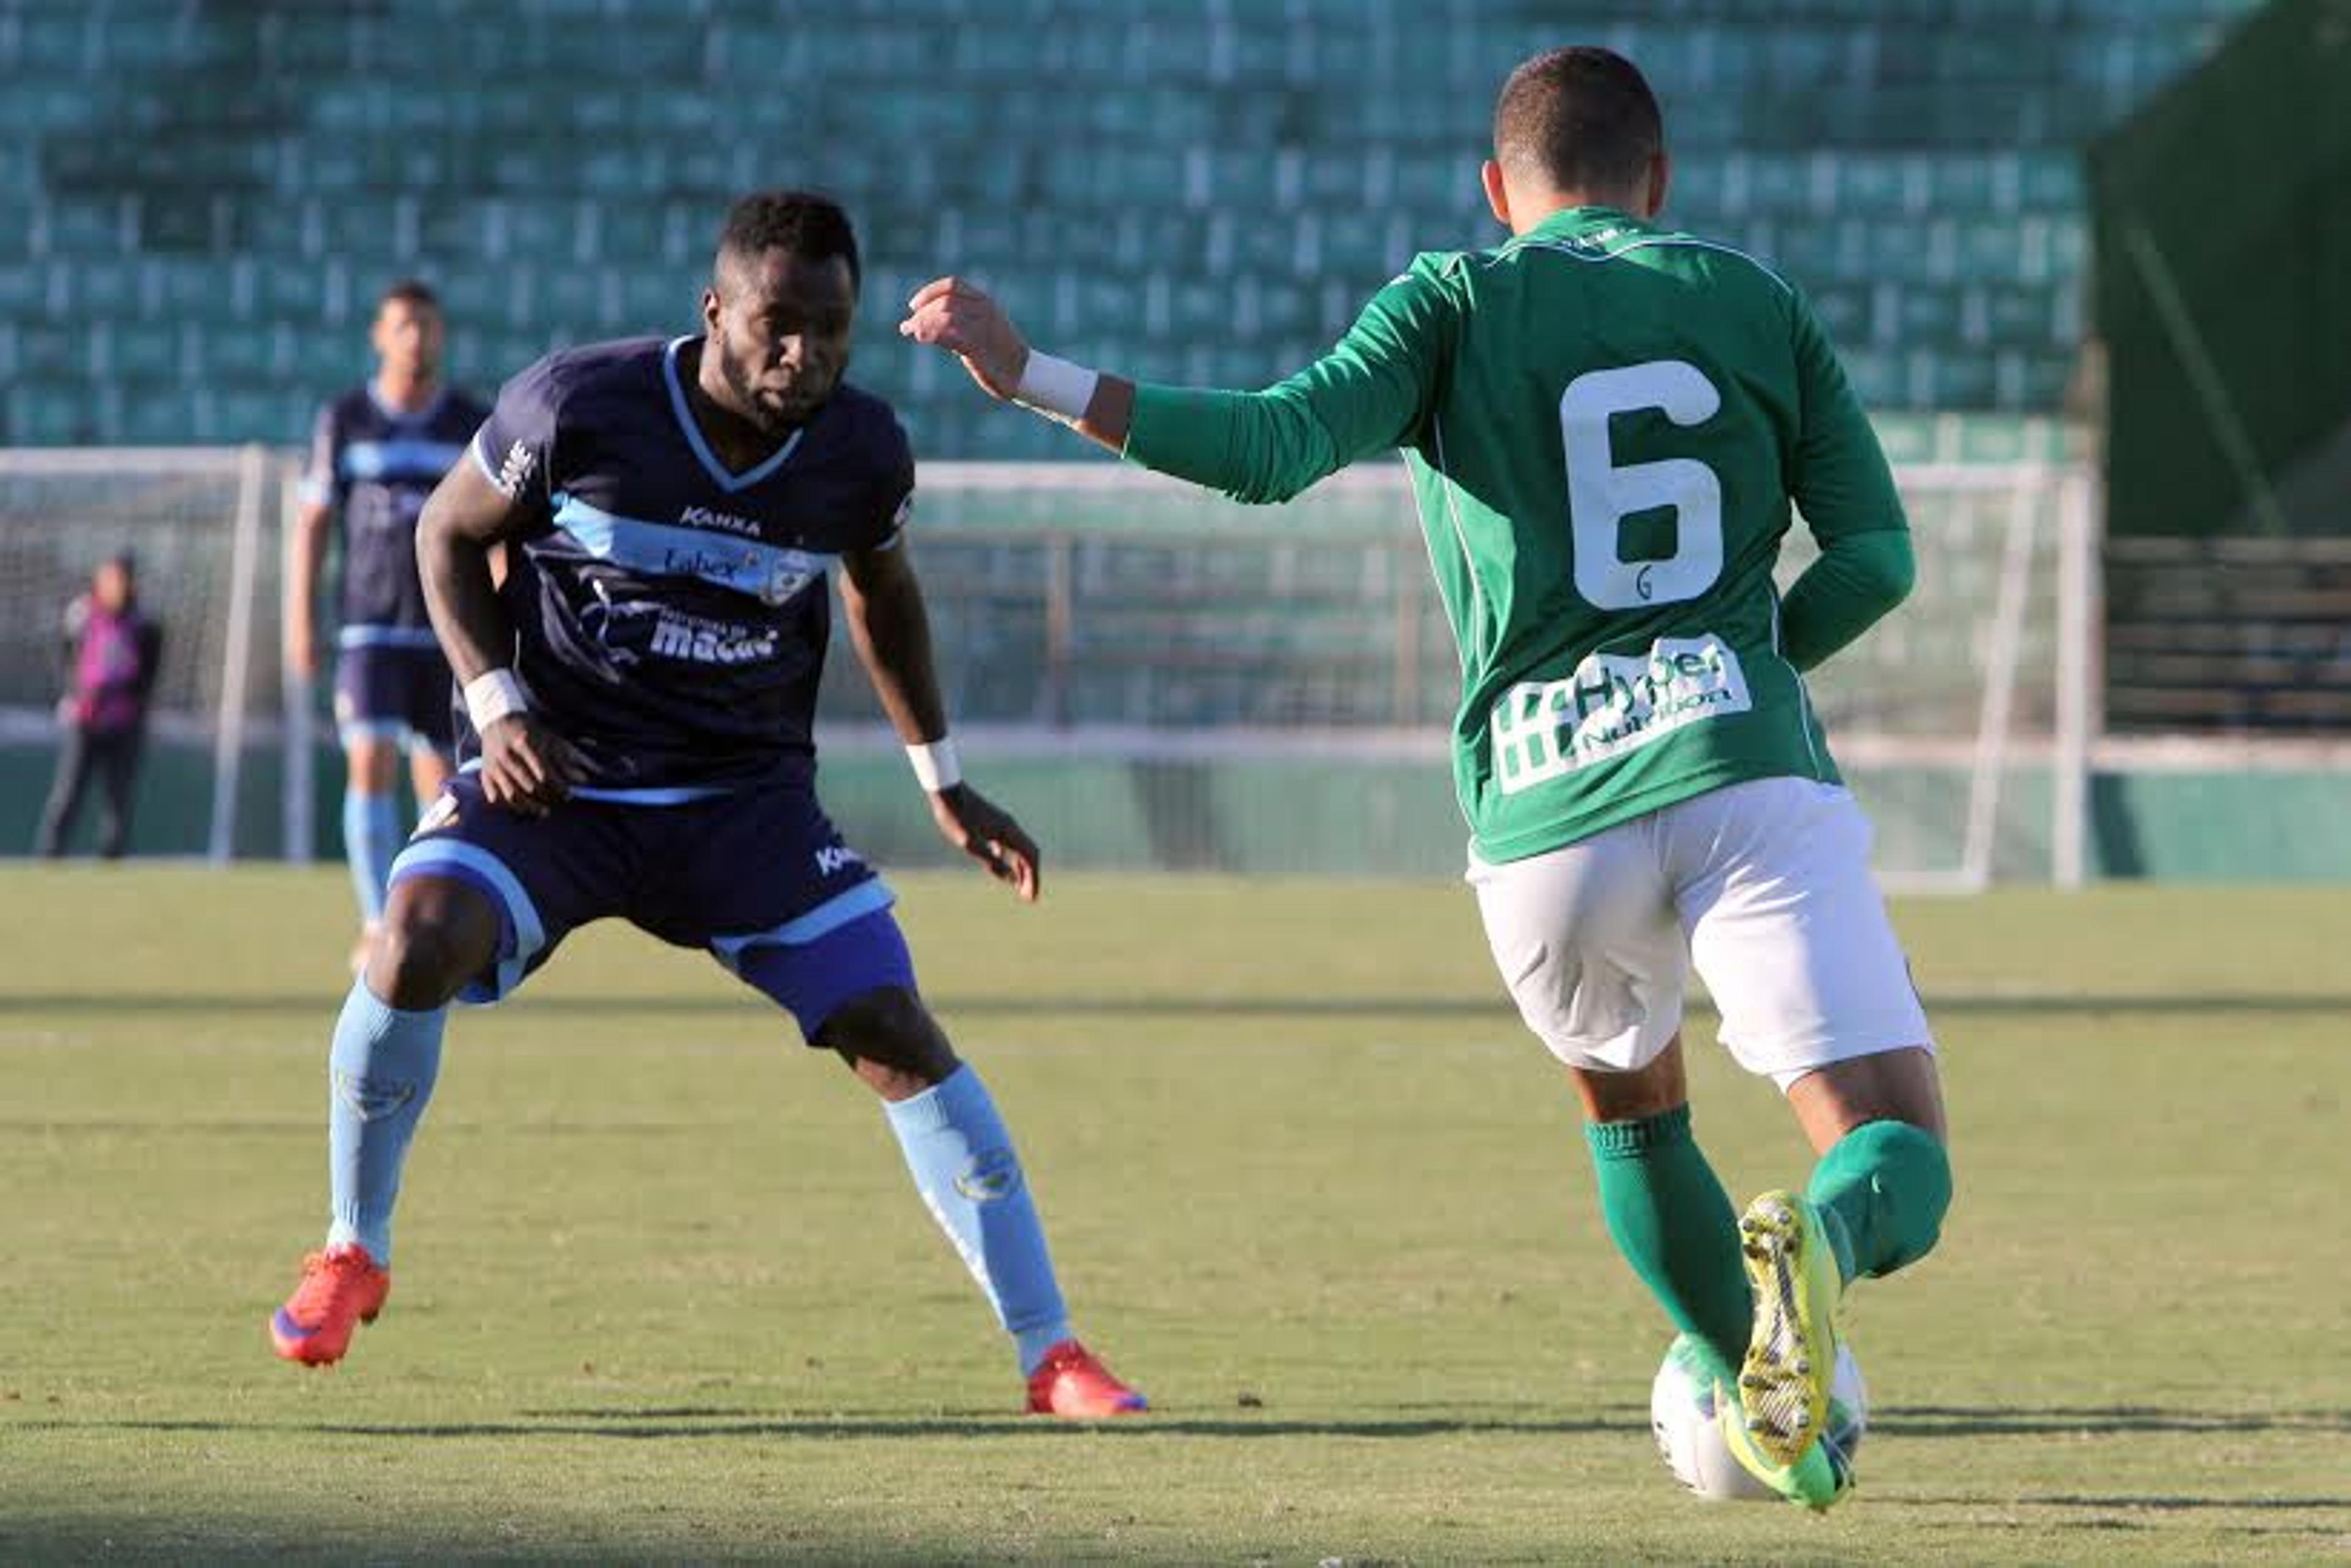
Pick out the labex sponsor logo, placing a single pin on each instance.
(1613, 702)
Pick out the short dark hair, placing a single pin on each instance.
(1580, 119)
(413, 291)
(810, 225)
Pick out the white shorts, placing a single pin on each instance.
(1765, 885)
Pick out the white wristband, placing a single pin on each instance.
(492, 695)
(1055, 387)
(935, 764)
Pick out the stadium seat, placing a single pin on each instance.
(1277, 168)
(81, 225)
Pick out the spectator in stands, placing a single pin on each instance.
(112, 649)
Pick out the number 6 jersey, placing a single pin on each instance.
(1605, 423)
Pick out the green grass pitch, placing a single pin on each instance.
(665, 1292)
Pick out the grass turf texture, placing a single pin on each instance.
(664, 1290)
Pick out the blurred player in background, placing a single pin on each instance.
(112, 651)
(1605, 422)
(376, 453)
(641, 687)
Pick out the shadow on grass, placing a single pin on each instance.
(2129, 1512)
(2120, 1421)
(1495, 1008)
(435, 1540)
(657, 1425)
(703, 1422)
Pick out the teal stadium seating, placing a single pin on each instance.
(209, 195)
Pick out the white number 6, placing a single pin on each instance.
(1601, 494)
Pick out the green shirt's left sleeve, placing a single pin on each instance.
(1365, 395)
(1856, 582)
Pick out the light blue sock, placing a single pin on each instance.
(379, 1076)
(963, 1165)
(371, 838)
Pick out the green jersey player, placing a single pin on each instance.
(1607, 422)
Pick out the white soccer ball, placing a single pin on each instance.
(1681, 1414)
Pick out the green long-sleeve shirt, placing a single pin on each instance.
(1605, 423)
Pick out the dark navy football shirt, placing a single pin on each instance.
(670, 617)
(376, 464)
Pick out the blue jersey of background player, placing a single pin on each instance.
(642, 684)
(375, 455)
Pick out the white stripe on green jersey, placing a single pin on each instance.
(1605, 425)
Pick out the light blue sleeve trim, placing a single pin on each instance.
(422, 857)
(865, 898)
(398, 460)
(386, 637)
(482, 460)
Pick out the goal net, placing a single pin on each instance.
(195, 523)
(1272, 688)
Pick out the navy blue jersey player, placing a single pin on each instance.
(375, 455)
(640, 686)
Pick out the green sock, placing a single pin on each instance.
(1885, 1186)
(1673, 1222)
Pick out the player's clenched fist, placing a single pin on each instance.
(526, 767)
(951, 314)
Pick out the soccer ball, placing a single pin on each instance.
(1681, 1414)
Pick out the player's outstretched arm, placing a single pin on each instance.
(891, 634)
(526, 766)
(958, 317)
(1364, 396)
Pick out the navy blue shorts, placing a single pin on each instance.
(394, 691)
(758, 877)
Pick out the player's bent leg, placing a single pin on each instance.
(1884, 1181)
(1666, 1209)
(385, 1060)
(1788, 928)
(1589, 941)
(963, 1162)
(852, 987)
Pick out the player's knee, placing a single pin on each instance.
(891, 1041)
(371, 766)
(423, 957)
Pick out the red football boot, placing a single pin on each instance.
(1071, 1382)
(342, 1287)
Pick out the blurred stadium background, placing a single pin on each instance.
(2088, 260)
